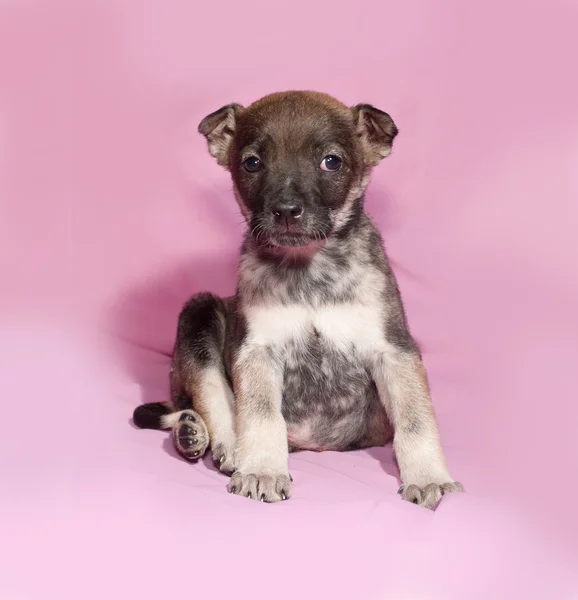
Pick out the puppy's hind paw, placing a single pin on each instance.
(190, 435)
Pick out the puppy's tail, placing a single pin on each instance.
(155, 415)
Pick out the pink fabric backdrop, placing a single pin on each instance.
(112, 213)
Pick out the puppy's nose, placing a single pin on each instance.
(287, 211)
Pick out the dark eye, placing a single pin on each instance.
(252, 164)
(331, 163)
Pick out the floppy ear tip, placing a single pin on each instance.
(363, 107)
(365, 111)
(212, 120)
(203, 128)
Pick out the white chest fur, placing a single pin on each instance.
(346, 326)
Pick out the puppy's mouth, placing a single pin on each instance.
(291, 239)
(290, 242)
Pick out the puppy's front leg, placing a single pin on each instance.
(403, 388)
(262, 454)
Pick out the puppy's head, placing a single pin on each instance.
(299, 162)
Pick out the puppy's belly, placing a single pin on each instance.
(329, 399)
(363, 425)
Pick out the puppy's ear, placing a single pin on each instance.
(219, 129)
(376, 130)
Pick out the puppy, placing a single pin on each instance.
(314, 351)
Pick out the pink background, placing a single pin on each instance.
(112, 213)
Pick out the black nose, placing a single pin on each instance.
(287, 211)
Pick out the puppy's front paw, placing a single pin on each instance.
(428, 495)
(223, 457)
(190, 435)
(263, 487)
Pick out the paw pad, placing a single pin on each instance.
(191, 441)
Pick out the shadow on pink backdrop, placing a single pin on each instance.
(112, 213)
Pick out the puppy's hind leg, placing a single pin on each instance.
(201, 390)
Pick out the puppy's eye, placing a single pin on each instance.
(252, 164)
(331, 163)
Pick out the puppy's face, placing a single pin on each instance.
(299, 161)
